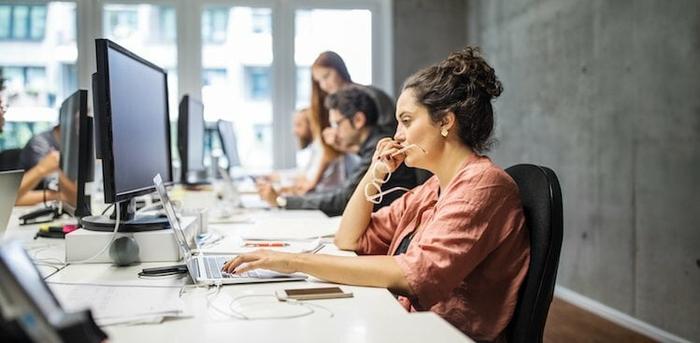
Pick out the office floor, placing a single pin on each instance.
(571, 324)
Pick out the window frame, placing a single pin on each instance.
(188, 15)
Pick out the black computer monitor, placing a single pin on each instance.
(229, 142)
(132, 131)
(77, 155)
(190, 141)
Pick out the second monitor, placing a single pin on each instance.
(190, 141)
(229, 143)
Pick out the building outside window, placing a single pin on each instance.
(38, 59)
(120, 22)
(164, 29)
(22, 22)
(214, 25)
(257, 82)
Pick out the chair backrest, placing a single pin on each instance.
(541, 198)
(9, 159)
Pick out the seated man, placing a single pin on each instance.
(354, 115)
(40, 159)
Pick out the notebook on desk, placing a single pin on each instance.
(206, 269)
(9, 184)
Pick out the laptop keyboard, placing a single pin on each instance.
(213, 266)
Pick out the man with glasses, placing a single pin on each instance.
(353, 115)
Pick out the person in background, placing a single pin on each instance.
(329, 74)
(456, 245)
(39, 147)
(35, 173)
(354, 114)
(306, 154)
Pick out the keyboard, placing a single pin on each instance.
(213, 266)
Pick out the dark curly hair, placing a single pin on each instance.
(353, 99)
(463, 84)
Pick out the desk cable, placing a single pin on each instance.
(234, 310)
(59, 265)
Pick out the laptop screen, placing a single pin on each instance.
(172, 217)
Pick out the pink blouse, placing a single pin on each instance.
(470, 250)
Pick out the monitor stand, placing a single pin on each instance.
(129, 221)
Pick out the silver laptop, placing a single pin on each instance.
(9, 184)
(206, 269)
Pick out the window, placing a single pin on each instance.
(303, 86)
(164, 31)
(227, 62)
(214, 25)
(5, 21)
(237, 79)
(122, 25)
(213, 77)
(257, 82)
(37, 23)
(121, 22)
(22, 22)
(260, 22)
(347, 32)
(41, 72)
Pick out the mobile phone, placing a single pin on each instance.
(312, 293)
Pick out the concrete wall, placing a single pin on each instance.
(607, 93)
(425, 32)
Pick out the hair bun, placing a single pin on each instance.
(468, 65)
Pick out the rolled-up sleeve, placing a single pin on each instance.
(382, 226)
(457, 239)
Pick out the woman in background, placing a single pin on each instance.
(328, 75)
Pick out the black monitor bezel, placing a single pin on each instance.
(86, 158)
(104, 125)
(183, 143)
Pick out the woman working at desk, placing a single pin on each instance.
(456, 245)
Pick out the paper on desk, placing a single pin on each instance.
(236, 245)
(291, 229)
(113, 305)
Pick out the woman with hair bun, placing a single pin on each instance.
(456, 245)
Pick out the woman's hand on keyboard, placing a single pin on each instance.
(260, 259)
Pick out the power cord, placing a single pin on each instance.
(111, 240)
(235, 312)
(62, 264)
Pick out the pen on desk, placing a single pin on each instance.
(266, 244)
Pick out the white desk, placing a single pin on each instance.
(372, 315)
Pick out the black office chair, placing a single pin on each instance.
(9, 159)
(541, 198)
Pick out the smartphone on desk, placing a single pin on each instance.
(312, 293)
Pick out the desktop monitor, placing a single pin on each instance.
(229, 142)
(77, 156)
(132, 131)
(190, 140)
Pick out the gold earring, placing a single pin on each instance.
(444, 132)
